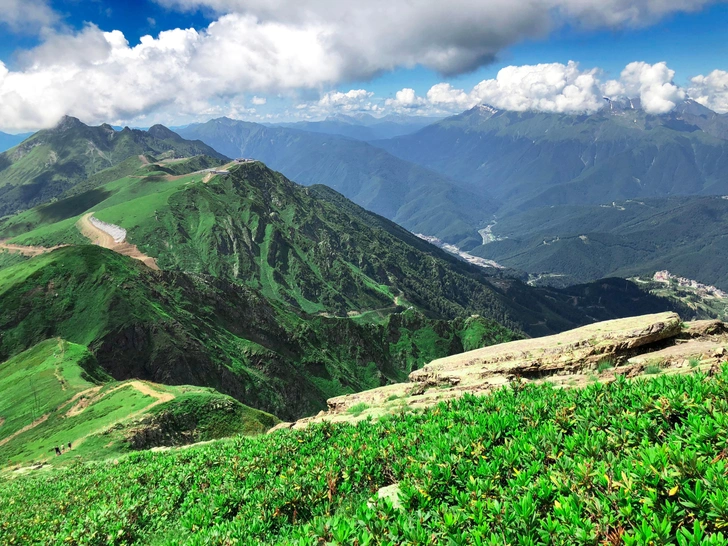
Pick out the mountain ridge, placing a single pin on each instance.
(52, 161)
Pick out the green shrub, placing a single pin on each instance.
(358, 409)
(629, 462)
(605, 365)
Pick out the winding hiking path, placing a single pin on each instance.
(27, 250)
(91, 396)
(106, 240)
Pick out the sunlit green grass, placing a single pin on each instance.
(631, 462)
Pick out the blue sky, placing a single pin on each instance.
(691, 44)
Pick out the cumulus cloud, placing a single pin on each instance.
(26, 15)
(551, 87)
(406, 99)
(653, 84)
(563, 88)
(259, 101)
(711, 90)
(554, 87)
(353, 100)
(100, 77)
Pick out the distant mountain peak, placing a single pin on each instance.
(486, 108)
(162, 133)
(67, 123)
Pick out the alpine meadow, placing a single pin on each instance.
(324, 273)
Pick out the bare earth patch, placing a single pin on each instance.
(99, 237)
(27, 250)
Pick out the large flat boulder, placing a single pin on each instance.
(562, 353)
(633, 347)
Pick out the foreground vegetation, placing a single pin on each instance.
(639, 462)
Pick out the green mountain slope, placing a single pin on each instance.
(416, 198)
(52, 161)
(309, 248)
(276, 294)
(528, 159)
(176, 329)
(55, 394)
(685, 235)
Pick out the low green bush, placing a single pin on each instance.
(629, 462)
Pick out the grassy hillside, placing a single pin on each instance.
(309, 248)
(629, 463)
(55, 393)
(41, 379)
(416, 198)
(175, 328)
(53, 161)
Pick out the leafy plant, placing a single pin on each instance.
(358, 409)
(630, 462)
(605, 365)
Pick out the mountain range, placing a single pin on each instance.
(417, 198)
(531, 159)
(276, 294)
(364, 126)
(8, 141)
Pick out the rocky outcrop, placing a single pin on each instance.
(632, 347)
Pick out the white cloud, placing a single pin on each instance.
(355, 99)
(564, 88)
(26, 15)
(259, 101)
(99, 77)
(551, 87)
(653, 84)
(451, 37)
(406, 99)
(711, 90)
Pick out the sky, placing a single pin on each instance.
(141, 62)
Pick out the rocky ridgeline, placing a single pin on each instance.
(632, 347)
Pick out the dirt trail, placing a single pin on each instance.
(26, 428)
(99, 237)
(86, 398)
(27, 250)
(161, 398)
(138, 385)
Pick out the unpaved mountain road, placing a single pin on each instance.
(26, 250)
(106, 240)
